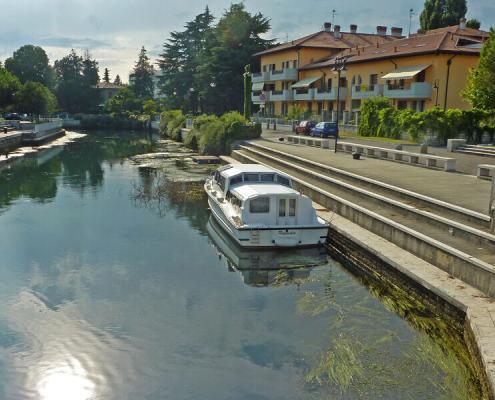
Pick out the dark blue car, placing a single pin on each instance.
(325, 129)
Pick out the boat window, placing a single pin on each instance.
(251, 177)
(217, 174)
(259, 205)
(283, 180)
(267, 177)
(221, 182)
(281, 207)
(235, 180)
(292, 207)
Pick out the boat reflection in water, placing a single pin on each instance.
(266, 267)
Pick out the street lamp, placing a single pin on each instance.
(338, 67)
(436, 86)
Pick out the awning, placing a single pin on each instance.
(406, 72)
(304, 83)
(258, 86)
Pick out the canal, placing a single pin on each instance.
(115, 284)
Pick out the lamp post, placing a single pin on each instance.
(338, 67)
(436, 86)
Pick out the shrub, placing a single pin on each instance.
(165, 118)
(388, 123)
(175, 125)
(370, 122)
(212, 139)
(191, 139)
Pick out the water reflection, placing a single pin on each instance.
(265, 267)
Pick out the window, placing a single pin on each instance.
(264, 68)
(292, 207)
(281, 207)
(283, 180)
(421, 76)
(221, 182)
(260, 205)
(294, 64)
(267, 177)
(235, 180)
(251, 178)
(402, 104)
(373, 79)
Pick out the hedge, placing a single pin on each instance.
(379, 118)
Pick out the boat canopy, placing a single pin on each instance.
(246, 192)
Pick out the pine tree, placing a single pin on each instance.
(441, 13)
(106, 76)
(480, 89)
(117, 80)
(142, 76)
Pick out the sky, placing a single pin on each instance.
(114, 30)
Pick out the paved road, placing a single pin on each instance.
(457, 188)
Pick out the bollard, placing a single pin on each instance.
(491, 205)
(423, 148)
(5, 129)
(275, 124)
(267, 123)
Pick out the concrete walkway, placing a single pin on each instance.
(457, 188)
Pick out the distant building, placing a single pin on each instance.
(108, 90)
(157, 76)
(425, 70)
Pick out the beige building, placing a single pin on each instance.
(425, 70)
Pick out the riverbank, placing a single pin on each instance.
(351, 243)
(26, 151)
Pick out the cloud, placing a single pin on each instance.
(68, 42)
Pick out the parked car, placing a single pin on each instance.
(13, 116)
(325, 129)
(304, 127)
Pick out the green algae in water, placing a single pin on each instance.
(361, 361)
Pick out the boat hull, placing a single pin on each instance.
(271, 236)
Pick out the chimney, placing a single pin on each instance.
(462, 23)
(327, 26)
(421, 31)
(381, 30)
(353, 28)
(336, 32)
(396, 32)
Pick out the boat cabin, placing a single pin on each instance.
(260, 195)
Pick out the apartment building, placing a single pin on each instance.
(274, 86)
(425, 70)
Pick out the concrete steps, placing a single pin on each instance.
(450, 241)
(478, 150)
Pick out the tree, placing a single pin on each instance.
(180, 60)
(106, 76)
(9, 84)
(441, 13)
(480, 88)
(473, 23)
(77, 78)
(35, 98)
(30, 63)
(124, 103)
(117, 80)
(142, 76)
(247, 92)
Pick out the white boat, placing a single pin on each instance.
(259, 208)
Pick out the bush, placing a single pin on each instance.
(233, 116)
(212, 138)
(191, 139)
(165, 118)
(369, 123)
(175, 125)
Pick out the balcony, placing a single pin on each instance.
(363, 91)
(286, 74)
(415, 90)
(260, 97)
(260, 77)
(306, 95)
(280, 95)
(321, 94)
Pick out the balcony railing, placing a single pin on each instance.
(330, 94)
(365, 91)
(260, 77)
(260, 97)
(308, 94)
(281, 95)
(286, 74)
(414, 90)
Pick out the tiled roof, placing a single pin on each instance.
(327, 40)
(438, 41)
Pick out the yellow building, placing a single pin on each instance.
(425, 70)
(280, 66)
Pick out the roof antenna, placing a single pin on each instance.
(334, 13)
(287, 37)
(411, 13)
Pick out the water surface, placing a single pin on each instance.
(114, 284)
